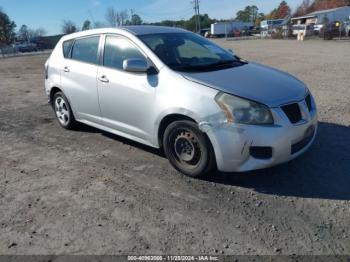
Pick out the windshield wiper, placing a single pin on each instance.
(198, 67)
(228, 63)
(223, 64)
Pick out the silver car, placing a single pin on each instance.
(171, 89)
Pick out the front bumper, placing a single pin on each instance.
(232, 142)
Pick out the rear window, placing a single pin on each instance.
(66, 48)
(86, 50)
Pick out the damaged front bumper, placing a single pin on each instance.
(241, 148)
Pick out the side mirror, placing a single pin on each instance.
(135, 65)
(231, 51)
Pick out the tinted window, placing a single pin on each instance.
(86, 50)
(118, 49)
(66, 48)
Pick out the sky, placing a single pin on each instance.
(49, 14)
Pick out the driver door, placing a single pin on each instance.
(126, 99)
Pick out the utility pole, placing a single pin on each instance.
(197, 15)
(131, 16)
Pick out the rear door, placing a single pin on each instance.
(78, 78)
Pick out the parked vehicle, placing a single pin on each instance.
(204, 31)
(318, 28)
(307, 30)
(27, 47)
(331, 30)
(171, 89)
(228, 28)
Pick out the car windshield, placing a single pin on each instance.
(189, 52)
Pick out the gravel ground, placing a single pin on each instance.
(88, 192)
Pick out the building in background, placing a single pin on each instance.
(268, 27)
(315, 20)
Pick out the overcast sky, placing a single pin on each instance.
(50, 13)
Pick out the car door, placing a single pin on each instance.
(79, 78)
(126, 99)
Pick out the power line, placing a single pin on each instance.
(166, 16)
(164, 13)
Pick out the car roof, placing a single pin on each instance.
(150, 29)
(135, 30)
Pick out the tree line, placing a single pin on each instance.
(114, 18)
(8, 34)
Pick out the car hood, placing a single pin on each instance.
(255, 82)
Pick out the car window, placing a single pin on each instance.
(86, 50)
(117, 49)
(188, 52)
(66, 48)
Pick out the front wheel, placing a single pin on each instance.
(188, 149)
(63, 111)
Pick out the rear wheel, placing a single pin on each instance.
(63, 111)
(188, 149)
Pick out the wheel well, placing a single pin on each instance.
(166, 121)
(53, 92)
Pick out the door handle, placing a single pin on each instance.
(103, 79)
(66, 69)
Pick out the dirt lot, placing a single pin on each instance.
(88, 192)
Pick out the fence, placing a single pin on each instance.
(10, 51)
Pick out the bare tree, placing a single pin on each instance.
(112, 17)
(27, 34)
(124, 16)
(40, 32)
(23, 33)
(68, 27)
(115, 18)
(99, 24)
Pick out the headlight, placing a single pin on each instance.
(242, 111)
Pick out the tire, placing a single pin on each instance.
(63, 111)
(188, 149)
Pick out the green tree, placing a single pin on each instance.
(136, 20)
(86, 25)
(7, 28)
(190, 24)
(249, 14)
(205, 21)
(261, 17)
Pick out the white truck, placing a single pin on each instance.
(227, 28)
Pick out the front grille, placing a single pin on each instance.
(293, 112)
(308, 102)
(303, 143)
